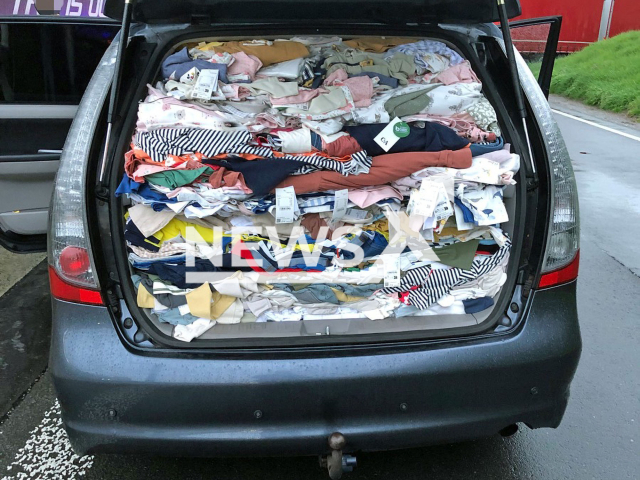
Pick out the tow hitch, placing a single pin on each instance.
(337, 463)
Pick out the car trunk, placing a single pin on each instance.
(324, 328)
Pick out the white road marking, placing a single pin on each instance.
(48, 454)
(597, 125)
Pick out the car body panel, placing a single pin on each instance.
(117, 400)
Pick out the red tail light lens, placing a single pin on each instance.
(71, 293)
(563, 275)
(74, 261)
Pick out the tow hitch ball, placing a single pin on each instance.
(337, 462)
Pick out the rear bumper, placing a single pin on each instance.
(114, 400)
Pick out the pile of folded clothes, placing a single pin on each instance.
(315, 178)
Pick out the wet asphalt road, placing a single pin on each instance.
(597, 439)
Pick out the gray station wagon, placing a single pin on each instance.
(330, 387)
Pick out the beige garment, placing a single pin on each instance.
(206, 304)
(344, 298)
(148, 220)
(144, 299)
(268, 52)
(378, 44)
(233, 314)
(273, 87)
(238, 285)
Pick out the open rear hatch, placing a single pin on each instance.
(298, 11)
(432, 263)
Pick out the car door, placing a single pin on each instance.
(537, 39)
(45, 66)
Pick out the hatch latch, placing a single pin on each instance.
(336, 462)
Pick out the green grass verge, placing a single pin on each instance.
(605, 74)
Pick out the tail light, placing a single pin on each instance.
(563, 243)
(71, 265)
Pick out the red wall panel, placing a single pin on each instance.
(626, 16)
(580, 19)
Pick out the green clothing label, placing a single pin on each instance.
(401, 129)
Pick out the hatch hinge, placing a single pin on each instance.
(200, 19)
(515, 78)
(114, 295)
(532, 184)
(115, 87)
(513, 311)
(481, 52)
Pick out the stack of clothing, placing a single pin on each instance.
(263, 185)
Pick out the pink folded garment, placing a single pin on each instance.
(364, 197)
(235, 91)
(460, 73)
(244, 67)
(338, 76)
(462, 123)
(361, 88)
(303, 96)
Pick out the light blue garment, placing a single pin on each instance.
(173, 316)
(406, 311)
(418, 49)
(144, 263)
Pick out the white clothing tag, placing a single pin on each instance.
(488, 170)
(184, 309)
(286, 205)
(443, 209)
(234, 111)
(299, 106)
(190, 77)
(341, 199)
(356, 214)
(390, 134)
(424, 201)
(206, 85)
(391, 271)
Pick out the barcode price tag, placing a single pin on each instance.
(286, 205)
(391, 271)
(340, 202)
(206, 85)
(443, 209)
(356, 214)
(424, 201)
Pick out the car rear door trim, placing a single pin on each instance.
(17, 111)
